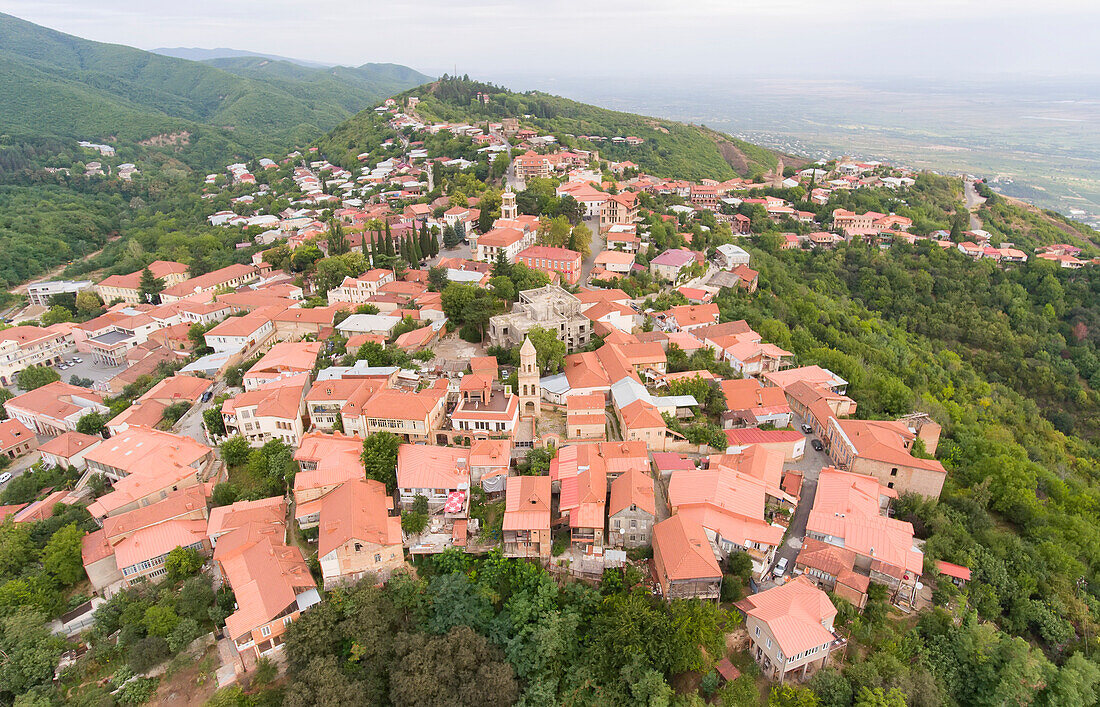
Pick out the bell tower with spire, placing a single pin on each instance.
(530, 388)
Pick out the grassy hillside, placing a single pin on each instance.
(59, 85)
(670, 149)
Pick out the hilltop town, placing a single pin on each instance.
(481, 345)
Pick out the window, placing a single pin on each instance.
(358, 547)
(757, 630)
(894, 471)
(377, 557)
(769, 643)
(287, 620)
(890, 485)
(265, 630)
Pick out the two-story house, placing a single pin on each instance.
(790, 629)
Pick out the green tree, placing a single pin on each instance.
(337, 240)
(459, 668)
(305, 257)
(877, 697)
(30, 652)
(150, 287)
(33, 377)
(215, 423)
(437, 278)
(550, 350)
(56, 315)
(183, 562)
(324, 684)
(380, 458)
(415, 520)
(16, 548)
(788, 695)
(235, 451)
(160, 620)
(580, 240)
(831, 688)
(88, 302)
(61, 556)
(450, 240)
(94, 423)
(555, 232)
(195, 598)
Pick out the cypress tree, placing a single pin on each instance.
(425, 249)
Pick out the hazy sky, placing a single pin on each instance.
(700, 40)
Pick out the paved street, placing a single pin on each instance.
(191, 423)
(810, 465)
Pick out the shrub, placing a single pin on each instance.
(138, 691)
(185, 631)
(146, 653)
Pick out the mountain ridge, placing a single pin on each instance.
(66, 86)
(203, 54)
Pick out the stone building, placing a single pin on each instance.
(549, 307)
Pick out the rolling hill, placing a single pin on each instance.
(59, 85)
(670, 149)
(200, 54)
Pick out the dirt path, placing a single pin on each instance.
(22, 289)
(973, 203)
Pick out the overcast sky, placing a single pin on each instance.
(696, 40)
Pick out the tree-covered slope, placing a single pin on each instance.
(60, 85)
(352, 88)
(670, 149)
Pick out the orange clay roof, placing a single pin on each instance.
(793, 613)
(681, 551)
(527, 503)
(357, 510)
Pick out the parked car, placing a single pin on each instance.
(206, 396)
(806, 428)
(780, 567)
(817, 445)
(77, 359)
(5, 477)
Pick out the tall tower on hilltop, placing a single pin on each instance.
(530, 389)
(508, 204)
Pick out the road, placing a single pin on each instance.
(190, 425)
(810, 465)
(973, 201)
(510, 174)
(598, 242)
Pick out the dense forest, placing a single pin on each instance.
(1019, 507)
(61, 85)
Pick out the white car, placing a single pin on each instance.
(77, 359)
(5, 477)
(780, 567)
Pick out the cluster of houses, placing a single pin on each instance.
(622, 475)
